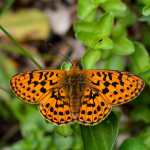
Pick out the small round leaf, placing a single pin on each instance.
(146, 10)
(64, 130)
(123, 46)
(89, 61)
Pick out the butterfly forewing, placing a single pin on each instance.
(115, 87)
(33, 86)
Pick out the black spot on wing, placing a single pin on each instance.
(114, 83)
(43, 90)
(92, 75)
(43, 83)
(41, 75)
(120, 76)
(30, 77)
(97, 83)
(122, 83)
(104, 76)
(106, 83)
(110, 75)
(52, 73)
(106, 90)
(52, 83)
(46, 75)
(98, 73)
(35, 83)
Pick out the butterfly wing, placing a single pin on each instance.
(57, 109)
(101, 89)
(47, 87)
(93, 107)
(32, 86)
(115, 87)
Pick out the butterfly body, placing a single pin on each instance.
(75, 81)
(85, 96)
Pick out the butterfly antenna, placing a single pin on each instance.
(57, 50)
(90, 50)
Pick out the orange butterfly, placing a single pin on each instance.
(86, 96)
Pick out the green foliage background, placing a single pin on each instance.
(123, 48)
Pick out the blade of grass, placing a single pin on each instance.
(11, 93)
(7, 6)
(24, 51)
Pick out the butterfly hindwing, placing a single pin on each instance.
(93, 107)
(55, 107)
(33, 86)
(115, 87)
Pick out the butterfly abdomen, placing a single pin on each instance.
(74, 96)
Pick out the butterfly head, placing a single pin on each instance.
(74, 64)
(74, 68)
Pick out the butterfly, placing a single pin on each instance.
(85, 96)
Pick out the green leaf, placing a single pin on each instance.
(101, 27)
(24, 144)
(145, 136)
(145, 2)
(129, 17)
(91, 17)
(146, 10)
(113, 5)
(83, 26)
(119, 29)
(99, 1)
(145, 96)
(63, 143)
(44, 142)
(104, 25)
(87, 6)
(106, 55)
(140, 58)
(101, 136)
(29, 130)
(115, 62)
(90, 39)
(133, 144)
(144, 19)
(145, 36)
(88, 62)
(123, 46)
(66, 66)
(64, 130)
(141, 113)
